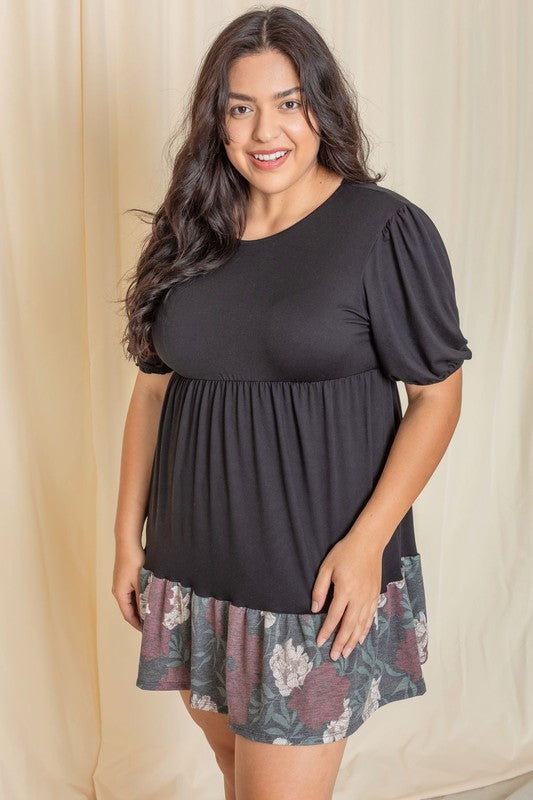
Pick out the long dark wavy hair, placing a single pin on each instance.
(203, 215)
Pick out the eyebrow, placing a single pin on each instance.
(276, 96)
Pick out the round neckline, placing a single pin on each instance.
(294, 225)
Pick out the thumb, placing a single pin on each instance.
(320, 588)
(137, 600)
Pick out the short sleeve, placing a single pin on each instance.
(153, 364)
(409, 297)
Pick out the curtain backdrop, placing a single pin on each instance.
(91, 92)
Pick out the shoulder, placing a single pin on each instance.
(379, 209)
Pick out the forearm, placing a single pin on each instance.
(420, 442)
(138, 447)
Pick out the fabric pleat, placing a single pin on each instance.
(266, 671)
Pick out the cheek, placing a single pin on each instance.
(302, 134)
(237, 134)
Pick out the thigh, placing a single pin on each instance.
(214, 725)
(286, 772)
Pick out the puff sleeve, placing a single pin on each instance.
(409, 300)
(153, 364)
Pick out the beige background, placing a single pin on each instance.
(91, 92)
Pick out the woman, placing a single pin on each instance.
(279, 298)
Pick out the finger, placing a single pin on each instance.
(364, 627)
(350, 644)
(137, 605)
(138, 596)
(136, 608)
(320, 588)
(129, 612)
(333, 617)
(358, 635)
(345, 632)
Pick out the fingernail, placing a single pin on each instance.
(320, 641)
(335, 654)
(314, 606)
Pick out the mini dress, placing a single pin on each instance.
(275, 427)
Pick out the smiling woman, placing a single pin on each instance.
(281, 587)
(274, 144)
(274, 157)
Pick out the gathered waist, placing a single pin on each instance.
(176, 376)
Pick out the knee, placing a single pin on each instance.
(225, 758)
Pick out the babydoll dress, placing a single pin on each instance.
(275, 427)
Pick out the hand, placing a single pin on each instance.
(128, 563)
(355, 569)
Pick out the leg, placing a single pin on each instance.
(286, 772)
(220, 738)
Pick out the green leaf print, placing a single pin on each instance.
(282, 721)
(266, 691)
(403, 684)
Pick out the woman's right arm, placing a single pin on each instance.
(138, 448)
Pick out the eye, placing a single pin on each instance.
(232, 110)
(291, 101)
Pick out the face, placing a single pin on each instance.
(257, 121)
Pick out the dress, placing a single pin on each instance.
(275, 427)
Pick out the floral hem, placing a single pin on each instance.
(265, 669)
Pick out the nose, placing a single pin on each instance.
(265, 127)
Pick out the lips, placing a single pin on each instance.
(269, 164)
(267, 152)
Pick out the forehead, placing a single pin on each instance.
(263, 76)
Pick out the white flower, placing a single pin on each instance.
(180, 611)
(337, 728)
(204, 702)
(382, 599)
(421, 631)
(143, 599)
(269, 618)
(289, 666)
(372, 700)
(280, 740)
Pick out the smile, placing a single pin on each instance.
(266, 161)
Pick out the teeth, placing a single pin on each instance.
(271, 156)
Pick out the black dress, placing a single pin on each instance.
(275, 427)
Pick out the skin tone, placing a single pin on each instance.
(278, 199)
(138, 448)
(354, 563)
(282, 196)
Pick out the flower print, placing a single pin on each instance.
(372, 699)
(421, 631)
(216, 614)
(289, 666)
(338, 728)
(175, 678)
(407, 658)
(382, 599)
(203, 702)
(143, 599)
(394, 599)
(244, 664)
(321, 697)
(269, 618)
(180, 607)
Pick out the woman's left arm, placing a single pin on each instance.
(354, 563)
